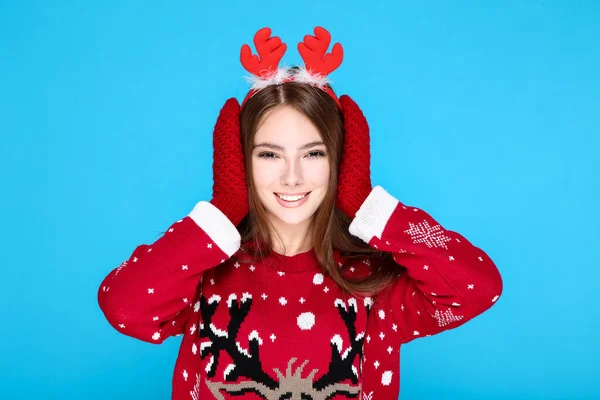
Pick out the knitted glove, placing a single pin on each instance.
(229, 188)
(355, 166)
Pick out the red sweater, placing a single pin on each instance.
(281, 328)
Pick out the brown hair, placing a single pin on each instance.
(330, 225)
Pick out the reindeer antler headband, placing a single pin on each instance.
(317, 62)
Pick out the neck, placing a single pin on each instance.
(292, 239)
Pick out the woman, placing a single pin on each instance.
(298, 280)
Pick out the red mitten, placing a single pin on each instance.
(229, 188)
(355, 166)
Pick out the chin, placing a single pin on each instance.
(291, 218)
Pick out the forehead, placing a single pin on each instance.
(286, 126)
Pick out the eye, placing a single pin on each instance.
(267, 154)
(316, 154)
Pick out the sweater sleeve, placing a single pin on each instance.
(446, 280)
(443, 282)
(150, 295)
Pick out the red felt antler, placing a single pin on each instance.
(269, 49)
(313, 51)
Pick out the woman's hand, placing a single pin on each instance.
(229, 187)
(355, 167)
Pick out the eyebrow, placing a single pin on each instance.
(281, 148)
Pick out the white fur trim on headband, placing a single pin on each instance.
(276, 79)
(284, 73)
(305, 76)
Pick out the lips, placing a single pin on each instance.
(291, 197)
(291, 200)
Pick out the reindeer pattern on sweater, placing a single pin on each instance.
(286, 328)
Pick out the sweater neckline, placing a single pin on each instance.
(305, 261)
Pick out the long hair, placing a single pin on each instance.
(329, 225)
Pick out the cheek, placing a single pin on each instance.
(263, 174)
(318, 173)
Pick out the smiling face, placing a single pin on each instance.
(290, 167)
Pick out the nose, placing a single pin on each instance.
(292, 173)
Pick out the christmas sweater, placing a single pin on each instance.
(280, 328)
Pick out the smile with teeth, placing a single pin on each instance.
(291, 198)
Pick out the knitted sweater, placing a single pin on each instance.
(281, 328)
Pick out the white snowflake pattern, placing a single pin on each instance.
(196, 392)
(431, 236)
(446, 317)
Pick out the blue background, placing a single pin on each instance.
(486, 114)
